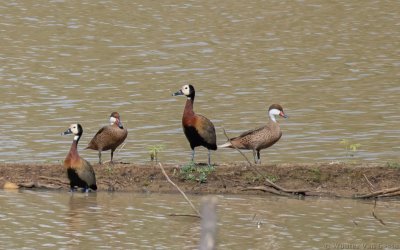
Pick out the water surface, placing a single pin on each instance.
(334, 66)
(59, 220)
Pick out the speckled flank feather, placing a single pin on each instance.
(260, 138)
(109, 137)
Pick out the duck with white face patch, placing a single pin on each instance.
(198, 130)
(80, 172)
(260, 138)
(109, 137)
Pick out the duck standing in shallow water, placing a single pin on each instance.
(259, 138)
(109, 137)
(198, 129)
(80, 172)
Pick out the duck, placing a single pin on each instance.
(80, 172)
(198, 129)
(109, 137)
(259, 138)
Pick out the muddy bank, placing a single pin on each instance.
(321, 179)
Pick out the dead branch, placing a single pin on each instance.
(267, 190)
(292, 191)
(176, 186)
(375, 216)
(384, 192)
(372, 188)
(390, 194)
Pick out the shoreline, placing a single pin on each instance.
(348, 180)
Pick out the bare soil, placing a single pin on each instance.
(320, 179)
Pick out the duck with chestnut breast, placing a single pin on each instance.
(109, 137)
(198, 130)
(260, 138)
(80, 172)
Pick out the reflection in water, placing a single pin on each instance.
(136, 221)
(80, 207)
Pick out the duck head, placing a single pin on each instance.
(186, 90)
(274, 110)
(75, 129)
(116, 119)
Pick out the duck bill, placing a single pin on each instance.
(177, 93)
(67, 132)
(283, 115)
(120, 124)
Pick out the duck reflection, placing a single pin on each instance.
(82, 213)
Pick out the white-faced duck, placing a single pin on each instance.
(198, 129)
(259, 138)
(109, 137)
(80, 172)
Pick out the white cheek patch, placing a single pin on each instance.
(76, 137)
(274, 111)
(74, 130)
(112, 120)
(186, 90)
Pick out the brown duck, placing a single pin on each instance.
(198, 130)
(80, 172)
(109, 137)
(259, 138)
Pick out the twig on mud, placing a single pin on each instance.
(237, 148)
(372, 188)
(292, 191)
(380, 193)
(176, 186)
(376, 217)
(120, 148)
(266, 189)
(278, 190)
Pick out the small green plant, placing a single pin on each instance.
(392, 164)
(350, 148)
(154, 150)
(316, 174)
(273, 178)
(191, 172)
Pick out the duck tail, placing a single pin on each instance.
(226, 145)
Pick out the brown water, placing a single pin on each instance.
(59, 220)
(333, 65)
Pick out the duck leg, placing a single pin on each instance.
(112, 155)
(254, 156)
(209, 158)
(258, 157)
(193, 155)
(100, 157)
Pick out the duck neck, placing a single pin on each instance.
(189, 106)
(73, 152)
(272, 118)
